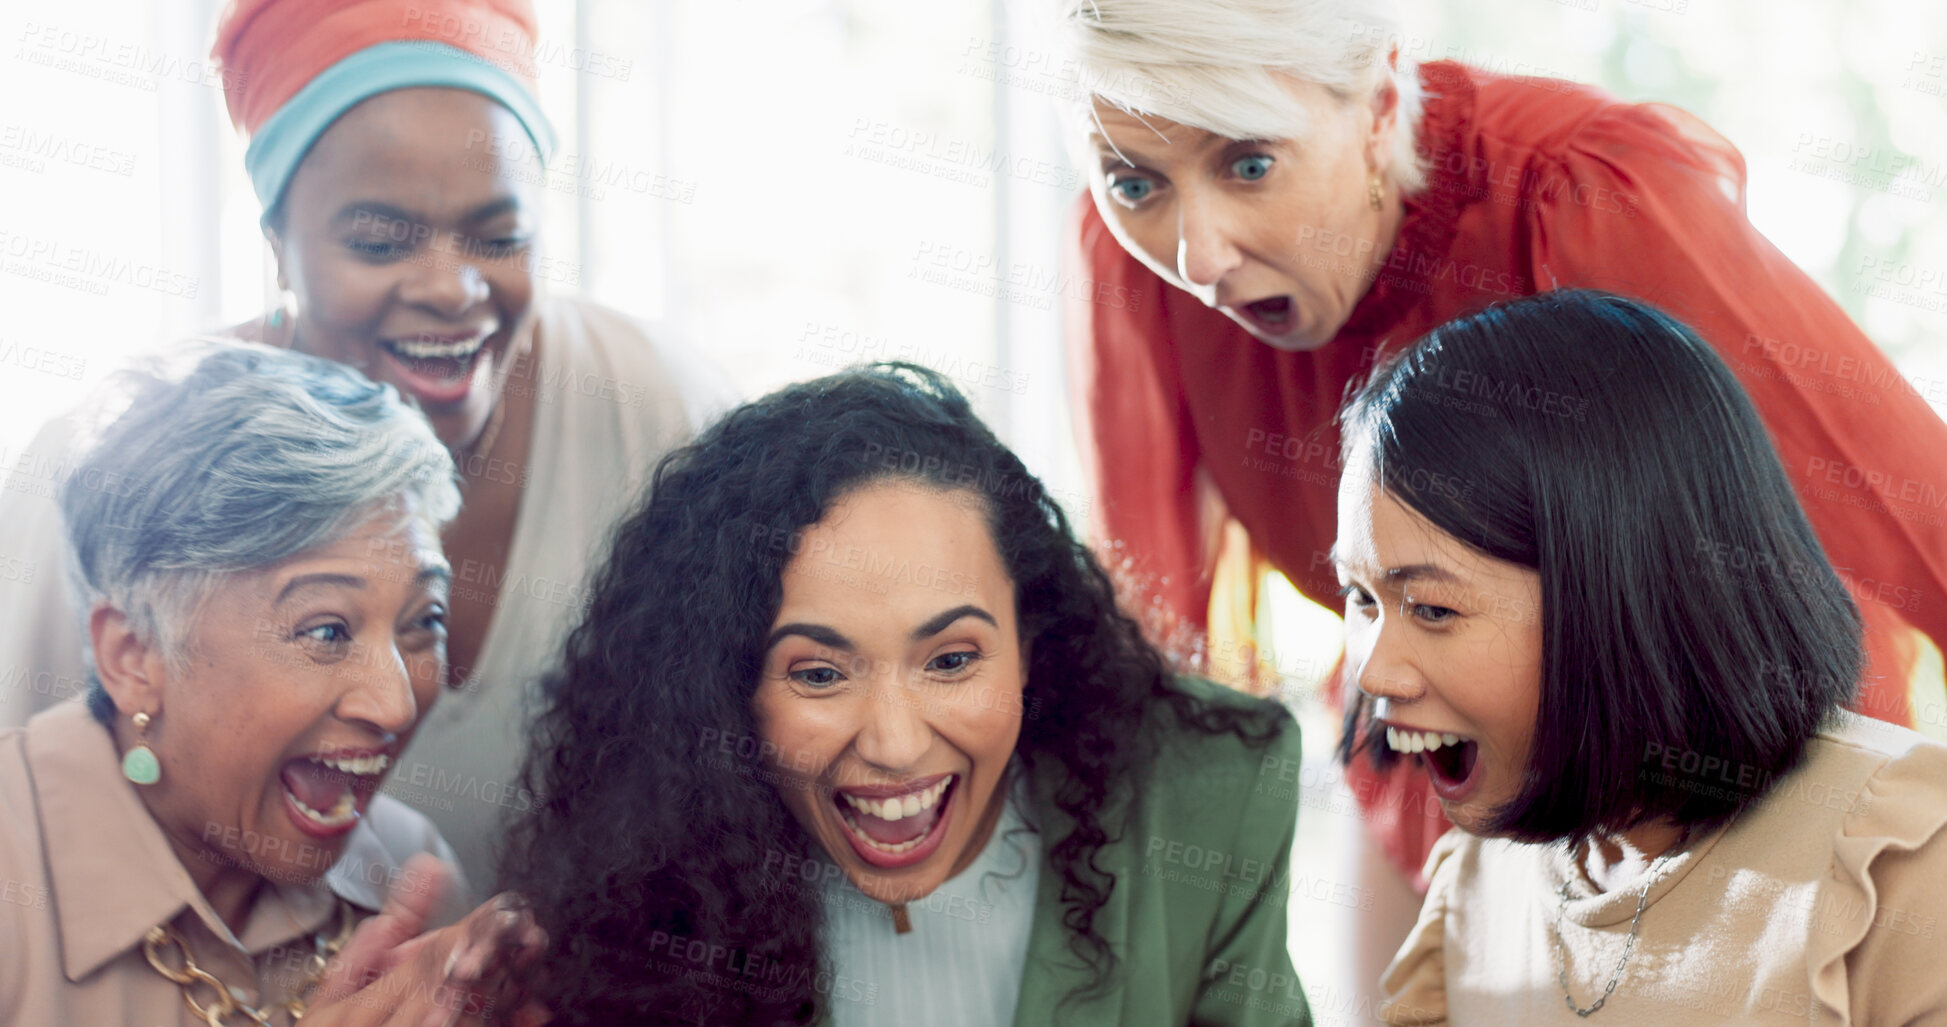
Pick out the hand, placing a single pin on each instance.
(393, 972)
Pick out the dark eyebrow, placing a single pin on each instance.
(1409, 572)
(385, 212)
(816, 632)
(431, 573)
(304, 581)
(1424, 571)
(349, 215)
(492, 209)
(940, 623)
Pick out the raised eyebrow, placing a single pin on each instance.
(318, 580)
(816, 632)
(944, 620)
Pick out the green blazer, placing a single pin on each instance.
(1198, 912)
(1197, 915)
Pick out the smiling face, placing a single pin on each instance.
(304, 680)
(407, 234)
(1447, 641)
(891, 686)
(1278, 234)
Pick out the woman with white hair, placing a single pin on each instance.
(256, 540)
(1279, 195)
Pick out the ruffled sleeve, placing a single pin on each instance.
(1646, 200)
(1415, 985)
(1878, 958)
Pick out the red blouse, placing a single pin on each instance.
(1534, 184)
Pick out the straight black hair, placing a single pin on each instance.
(1694, 635)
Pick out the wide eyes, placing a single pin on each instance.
(1131, 190)
(1251, 168)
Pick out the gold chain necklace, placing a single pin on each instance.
(162, 940)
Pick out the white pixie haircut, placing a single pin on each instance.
(1214, 64)
(217, 457)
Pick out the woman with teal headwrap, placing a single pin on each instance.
(400, 156)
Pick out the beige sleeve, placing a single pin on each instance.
(1894, 974)
(1415, 985)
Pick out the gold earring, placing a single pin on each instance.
(1375, 194)
(139, 764)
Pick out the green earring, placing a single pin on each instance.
(139, 764)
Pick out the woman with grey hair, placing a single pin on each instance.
(255, 536)
(1279, 194)
(399, 150)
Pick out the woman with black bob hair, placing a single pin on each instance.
(1581, 593)
(853, 732)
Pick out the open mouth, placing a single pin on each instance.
(1272, 315)
(897, 829)
(436, 369)
(1450, 759)
(326, 793)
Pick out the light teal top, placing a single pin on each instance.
(975, 927)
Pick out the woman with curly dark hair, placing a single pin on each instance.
(853, 732)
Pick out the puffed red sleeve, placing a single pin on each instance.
(1133, 426)
(1647, 201)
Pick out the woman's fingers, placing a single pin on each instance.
(376, 946)
(453, 977)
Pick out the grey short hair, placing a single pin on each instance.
(1214, 64)
(223, 456)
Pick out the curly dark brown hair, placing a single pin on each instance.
(653, 857)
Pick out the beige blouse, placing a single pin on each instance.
(85, 872)
(1824, 902)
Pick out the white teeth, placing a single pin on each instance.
(361, 766)
(1409, 741)
(343, 812)
(422, 350)
(900, 807)
(891, 850)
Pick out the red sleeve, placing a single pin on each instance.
(1134, 429)
(1646, 200)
